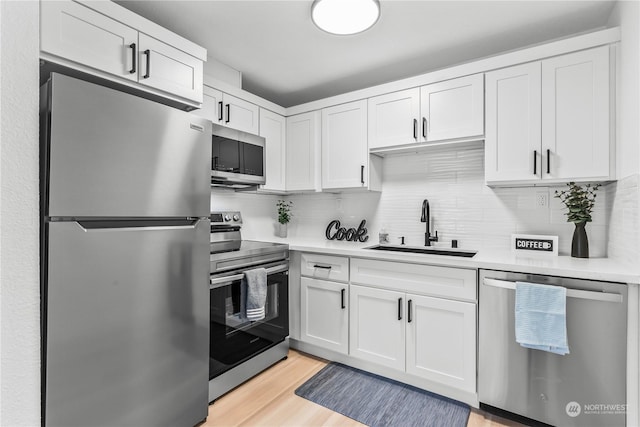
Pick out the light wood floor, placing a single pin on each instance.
(269, 400)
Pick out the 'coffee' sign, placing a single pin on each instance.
(336, 232)
(534, 244)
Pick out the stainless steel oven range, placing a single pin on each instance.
(240, 348)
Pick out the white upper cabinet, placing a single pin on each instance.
(211, 101)
(575, 116)
(238, 114)
(303, 151)
(227, 110)
(393, 119)
(345, 156)
(273, 128)
(453, 109)
(548, 121)
(512, 144)
(166, 68)
(124, 48)
(82, 35)
(448, 110)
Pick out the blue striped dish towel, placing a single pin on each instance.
(541, 317)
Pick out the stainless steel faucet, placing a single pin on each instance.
(426, 217)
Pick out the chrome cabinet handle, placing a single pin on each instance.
(133, 58)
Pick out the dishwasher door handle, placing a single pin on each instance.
(571, 293)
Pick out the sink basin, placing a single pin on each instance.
(427, 250)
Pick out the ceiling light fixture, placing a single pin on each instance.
(344, 17)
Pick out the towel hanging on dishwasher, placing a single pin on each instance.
(541, 317)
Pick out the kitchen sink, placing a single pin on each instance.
(427, 250)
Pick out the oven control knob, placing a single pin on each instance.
(236, 217)
(227, 218)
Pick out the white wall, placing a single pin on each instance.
(19, 269)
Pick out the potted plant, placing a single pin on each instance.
(284, 216)
(579, 202)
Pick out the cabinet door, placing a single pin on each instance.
(303, 146)
(513, 139)
(575, 115)
(240, 114)
(377, 326)
(166, 68)
(210, 108)
(441, 341)
(345, 157)
(453, 108)
(273, 129)
(325, 314)
(79, 34)
(393, 119)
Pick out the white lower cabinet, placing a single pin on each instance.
(377, 326)
(441, 341)
(325, 314)
(428, 337)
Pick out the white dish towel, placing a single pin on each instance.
(541, 317)
(253, 293)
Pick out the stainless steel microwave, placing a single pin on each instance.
(237, 158)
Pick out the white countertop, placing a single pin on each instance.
(606, 269)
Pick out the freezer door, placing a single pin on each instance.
(111, 154)
(126, 324)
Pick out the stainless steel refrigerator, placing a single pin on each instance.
(125, 259)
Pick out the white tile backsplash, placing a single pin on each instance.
(462, 208)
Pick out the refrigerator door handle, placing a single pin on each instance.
(96, 226)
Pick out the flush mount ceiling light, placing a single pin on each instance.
(344, 17)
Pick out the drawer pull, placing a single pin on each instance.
(326, 267)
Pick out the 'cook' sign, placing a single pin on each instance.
(534, 245)
(336, 232)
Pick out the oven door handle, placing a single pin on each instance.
(219, 282)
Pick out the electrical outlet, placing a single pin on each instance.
(542, 199)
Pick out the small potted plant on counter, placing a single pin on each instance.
(579, 202)
(284, 216)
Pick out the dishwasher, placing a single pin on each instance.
(586, 387)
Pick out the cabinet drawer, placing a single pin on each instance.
(325, 267)
(449, 282)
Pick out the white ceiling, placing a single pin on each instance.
(284, 58)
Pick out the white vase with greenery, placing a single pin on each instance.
(284, 216)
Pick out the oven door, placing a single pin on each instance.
(233, 338)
